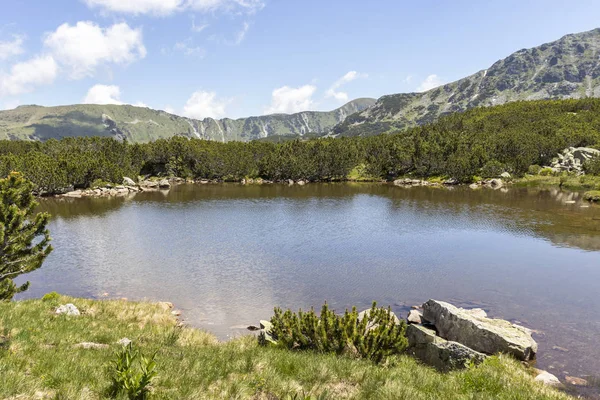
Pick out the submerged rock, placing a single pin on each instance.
(547, 378)
(444, 355)
(478, 332)
(573, 380)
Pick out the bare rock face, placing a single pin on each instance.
(437, 352)
(476, 331)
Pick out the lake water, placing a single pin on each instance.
(226, 254)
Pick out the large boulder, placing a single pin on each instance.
(474, 330)
(444, 355)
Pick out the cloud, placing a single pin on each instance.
(291, 100)
(12, 47)
(167, 7)
(432, 81)
(82, 48)
(103, 94)
(25, 76)
(204, 104)
(189, 49)
(239, 38)
(198, 28)
(339, 95)
(408, 79)
(136, 7)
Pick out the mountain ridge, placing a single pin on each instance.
(142, 124)
(565, 68)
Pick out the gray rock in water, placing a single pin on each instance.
(547, 378)
(505, 175)
(68, 309)
(444, 355)
(482, 334)
(163, 184)
(128, 181)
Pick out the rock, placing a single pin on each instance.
(414, 317)
(437, 352)
(176, 313)
(496, 183)
(505, 175)
(485, 335)
(75, 193)
(451, 181)
(165, 305)
(68, 309)
(128, 181)
(163, 184)
(124, 341)
(265, 334)
(253, 328)
(547, 379)
(573, 380)
(149, 184)
(474, 186)
(301, 182)
(290, 182)
(372, 325)
(561, 349)
(91, 345)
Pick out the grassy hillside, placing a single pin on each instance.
(140, 125)
(566, 68)
(40, 359)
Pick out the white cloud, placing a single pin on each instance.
(291, 100)
(204, 104)
(25, 76)
(155, 7)
(239, 38)
(408, 79)
(12, 47)
(85, 46)
(103, 94)
(166, 7)
(169, 109)
(431, 82)
(339, 95)
(189, 49)
(198, 28)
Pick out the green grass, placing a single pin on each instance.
(38, 358)
(572, 182)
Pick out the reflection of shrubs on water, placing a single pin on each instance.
(64, 207)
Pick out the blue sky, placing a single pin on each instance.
(235, 58)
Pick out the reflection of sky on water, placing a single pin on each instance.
(227, 254)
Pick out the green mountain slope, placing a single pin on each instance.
(566, 68)
(143, 124)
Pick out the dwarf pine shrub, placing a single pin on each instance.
(374, 334)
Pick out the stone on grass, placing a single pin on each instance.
(485, 335)
(124, 341)
(444, 355)
(68, 309)
(91, 345)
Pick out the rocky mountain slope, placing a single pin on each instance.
(138, 124)
(566, 68)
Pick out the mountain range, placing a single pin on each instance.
(566, 68)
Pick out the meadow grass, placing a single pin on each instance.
(39, 359)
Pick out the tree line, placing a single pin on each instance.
(480, 141)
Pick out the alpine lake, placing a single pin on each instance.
(226, 254)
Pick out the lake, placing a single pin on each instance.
(226, 254)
